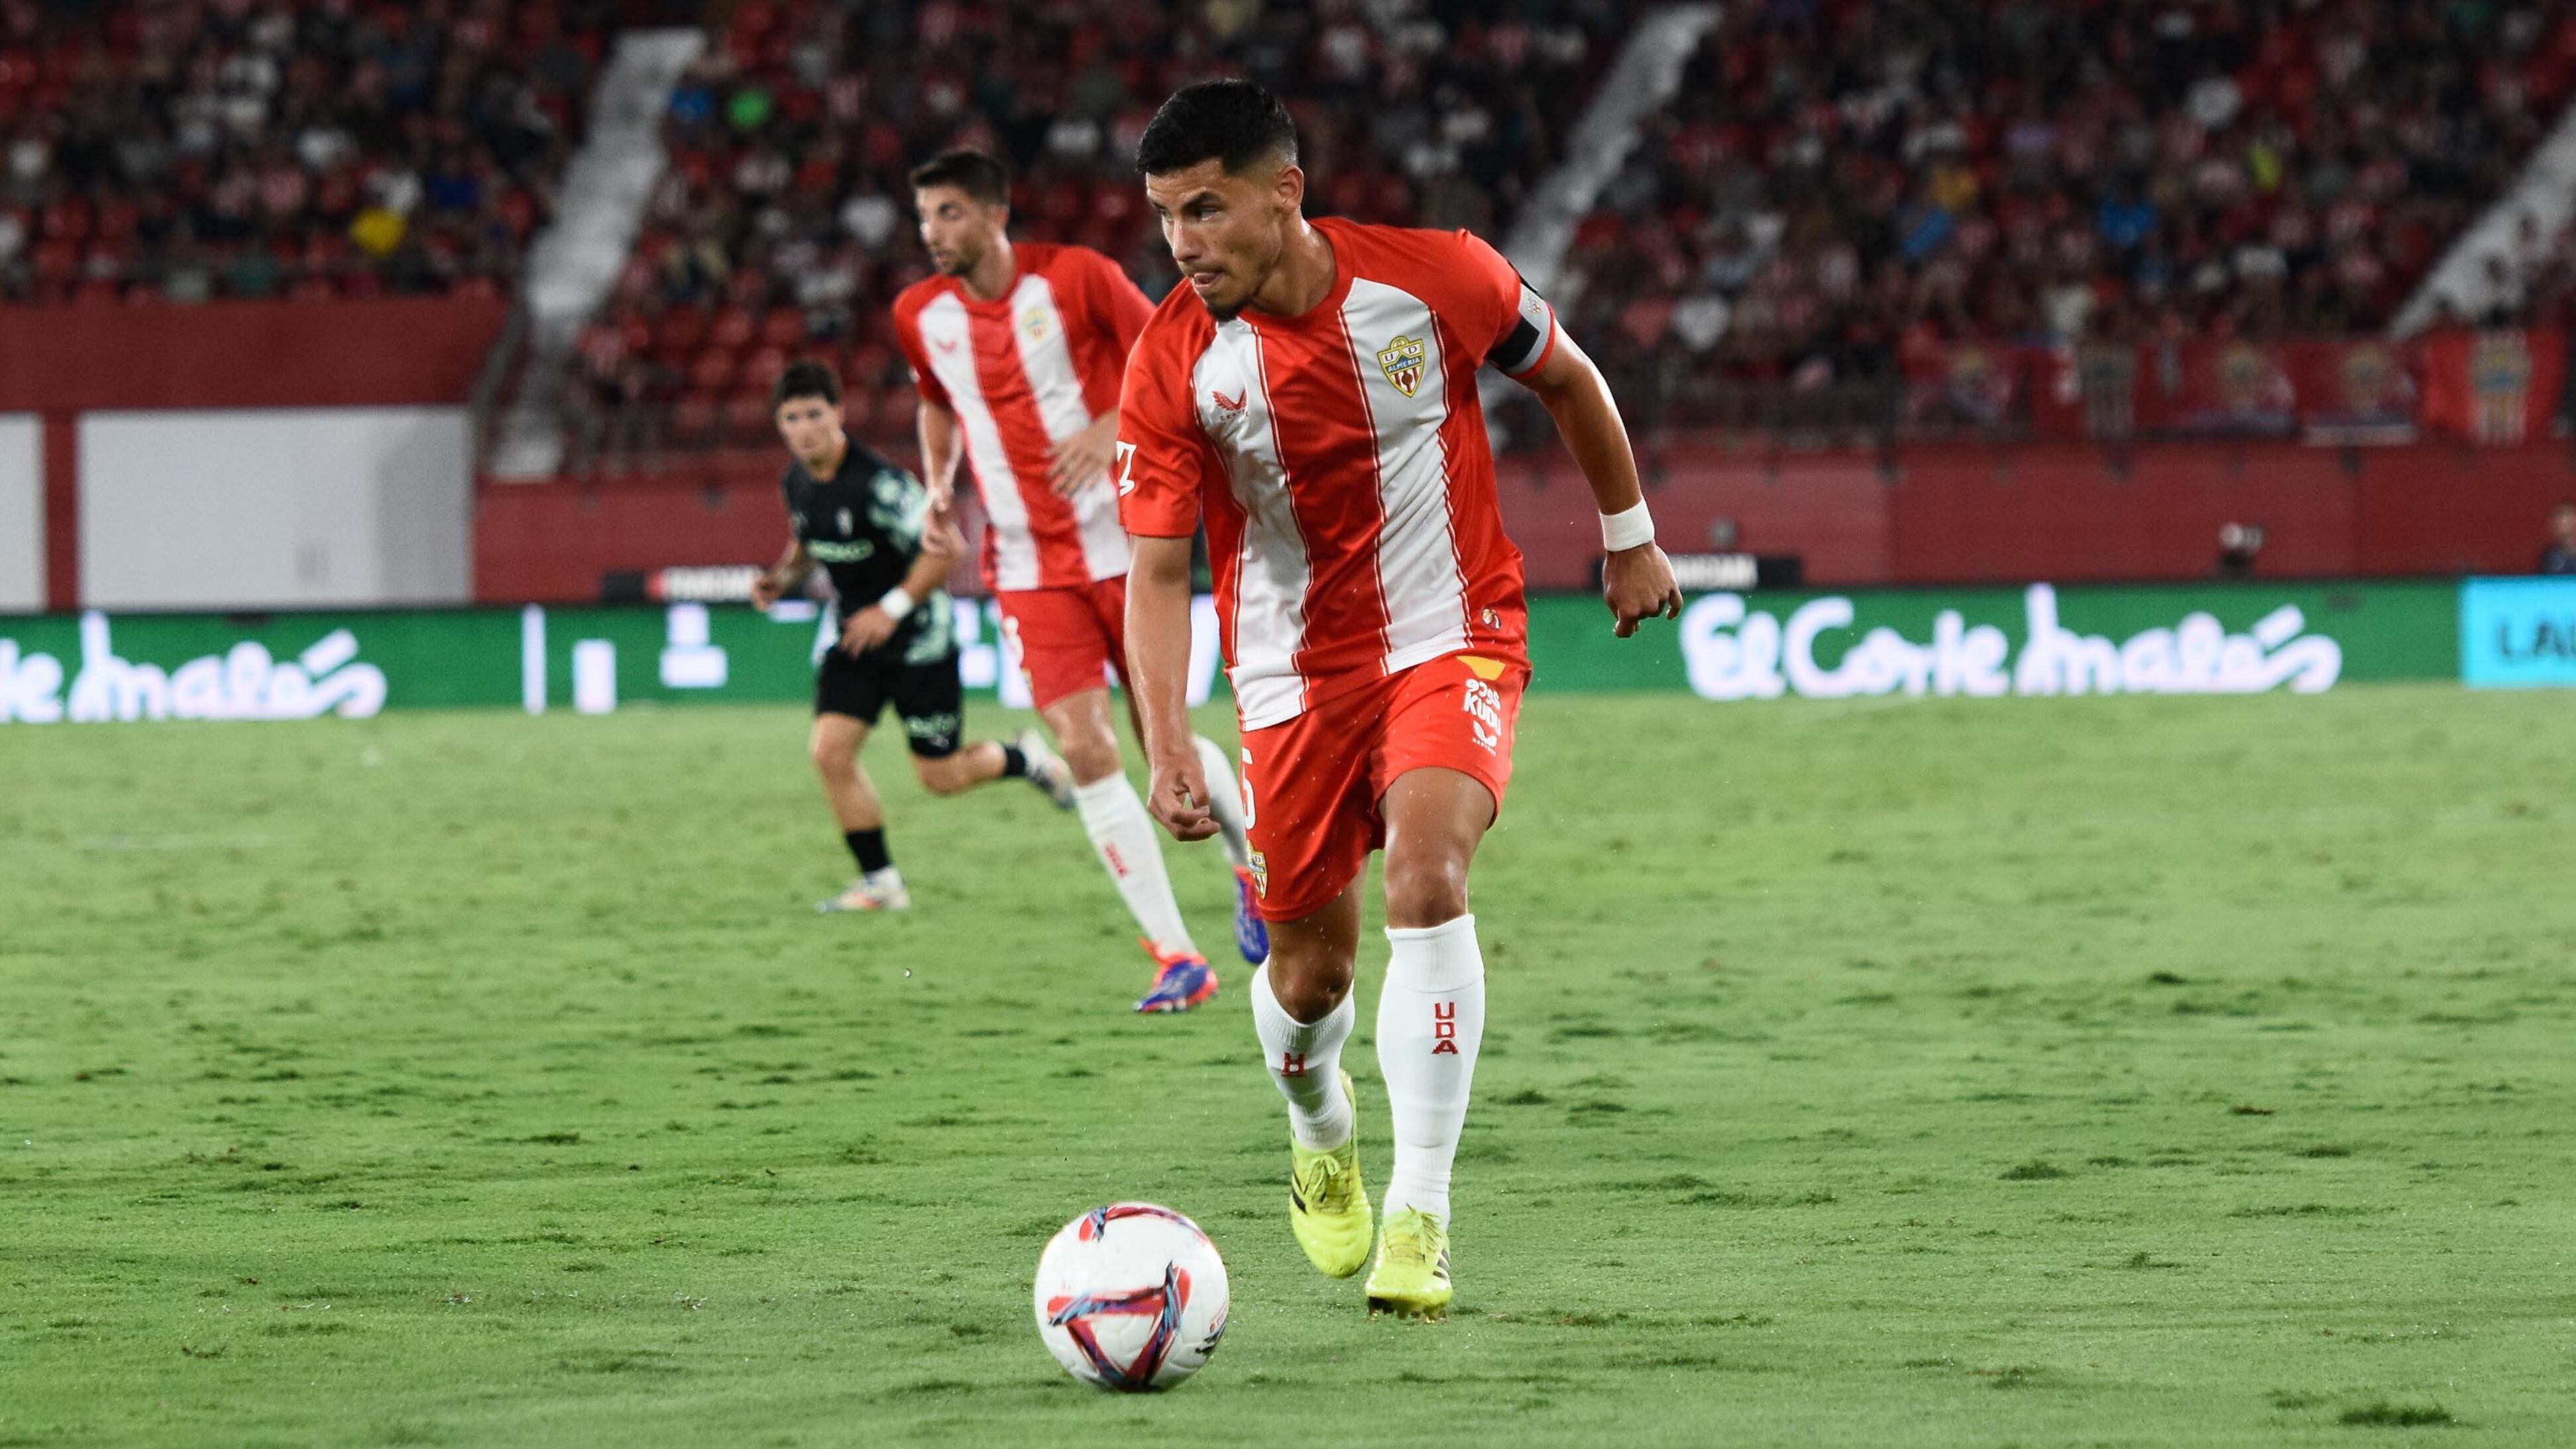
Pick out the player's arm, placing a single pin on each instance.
(1158, 671)
(1077, 461)
(935, 424)
(1118, 313)
(876, 623)
(786, 574)
(1636, 579)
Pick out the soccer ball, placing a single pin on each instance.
(1131, 1297)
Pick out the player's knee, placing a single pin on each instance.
(1090, 756)
(1307, 983)
(1425, 891)
(833, 758)
(945, 775)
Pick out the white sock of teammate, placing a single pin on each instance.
(1227, 807)
(1123, 835)
(1430, 1019)
(1305, 1059)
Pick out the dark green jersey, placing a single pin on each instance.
(864, 526)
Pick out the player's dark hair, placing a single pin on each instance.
(969, 170)
(1232, 121)
(806, 378)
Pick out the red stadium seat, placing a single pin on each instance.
(784, 327)
(713, 371)
(679, 332)
(732, 331)
(748, 420)
(763, 369)
(693, 421)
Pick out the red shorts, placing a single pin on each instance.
(1063, 638)
(1311, 786)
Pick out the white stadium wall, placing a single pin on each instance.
(22, 513)
(276, 508)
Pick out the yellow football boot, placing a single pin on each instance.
(1411, 1279)
(1328, 1209)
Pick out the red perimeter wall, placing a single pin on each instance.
(62, 361)
(1950, 514)
(83, 357)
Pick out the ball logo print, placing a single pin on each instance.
(1131, 1297)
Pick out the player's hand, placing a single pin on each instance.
(1637, 583)
(1178, 797)
(1080, 460)
(866, 629)
(764, 591)
(940, 535)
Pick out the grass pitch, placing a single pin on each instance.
(2112, 1071)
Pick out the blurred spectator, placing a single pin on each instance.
(256, 148)
(784, 224)
(2560, 556)
(1848, 177)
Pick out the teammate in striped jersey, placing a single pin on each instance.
(1018, 351)
(1310, 395)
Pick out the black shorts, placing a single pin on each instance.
(926, 696)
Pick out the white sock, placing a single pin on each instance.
(1123, 835)
(1430, 1019)
(1305, 1059)
(1227, 806)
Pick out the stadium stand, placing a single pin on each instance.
(243, 150)
(784, 223)
(1840, 194)
(1842, 182)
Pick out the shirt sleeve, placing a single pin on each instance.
(907, 336)
(899, 508)
(1164, 458)
(1118, 303)
(1519, 322)
(1115, 313)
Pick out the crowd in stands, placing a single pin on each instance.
(785, 225)
(1838, 187)
(1839, 182)
(194, 149)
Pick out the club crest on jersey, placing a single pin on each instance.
(1034, 323)
(1402, 361)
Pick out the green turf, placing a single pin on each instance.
(2122, 1071)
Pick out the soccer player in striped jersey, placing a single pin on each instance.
(1018, 350)
(1309, 393)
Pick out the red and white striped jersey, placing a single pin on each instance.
(1340, 462)
(1022, 373)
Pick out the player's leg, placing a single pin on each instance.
(847, 699)
(879, 885)
(1065, 646)
(1104, 618)
(1128, 844)
(1445, 758)
(1311, 831)
(932, 705)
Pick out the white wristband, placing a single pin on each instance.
(1627, 528)
(897, 603)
